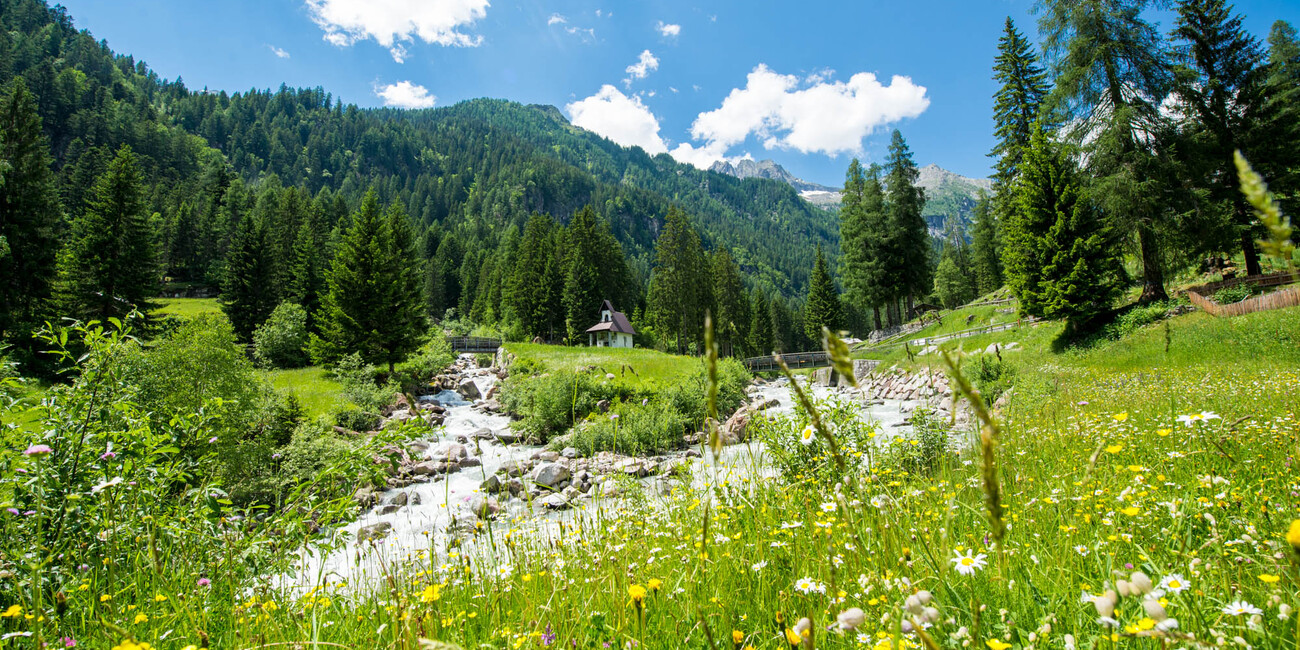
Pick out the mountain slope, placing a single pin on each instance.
(476, 169)
(768, 169)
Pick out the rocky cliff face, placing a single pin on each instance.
(767, 169)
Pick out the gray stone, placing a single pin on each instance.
(470, 462)
(482, 506)
(547, 456)
(551, 475)
(399, 499)
(553, 502)
(491, 485)
(451, 450)
(603, 406)
(507, 437)
(571, 493)
(374, 531)
(570, 452)
(468, 389)
(514, 486)
(388, 509)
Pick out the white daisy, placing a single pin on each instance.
(829, 506)
(808, 586)
(967, 564)
(807, 435)
(1174, 583)
(758, 566)
(1081, 550)
(1240, 608)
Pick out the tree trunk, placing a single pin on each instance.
(1248, 251)
(1153, 273)
(876, 310)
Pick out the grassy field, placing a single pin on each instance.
(635, 367)
(318, 393)
(186, 307)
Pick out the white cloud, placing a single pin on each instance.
(620, 118)
(813, 115)
(669, 30)
(556, 19)
(405, 94)
(644, 64)
(279, 52)
(392, 23)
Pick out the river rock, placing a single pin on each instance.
(451, 450)
(482, 506)
(507, 437)
(570, 453)
(470, 462)
(554, 502)
(388, 509)
(546, 456)
(365, 497)
(551, 475)
(733, 430)
(468, 389)
(514, 486)
(399, 499)
(603, 406)
(374, 531)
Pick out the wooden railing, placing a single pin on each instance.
(1203, 296)
(795, 361)
(474, 344)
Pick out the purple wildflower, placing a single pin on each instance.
(38, 450)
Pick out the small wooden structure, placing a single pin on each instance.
(613, 330)
(1203, 296)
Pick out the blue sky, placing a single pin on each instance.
(809, 84)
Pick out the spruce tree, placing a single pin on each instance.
(865, 256)
(760, 325)
(306, 278)
(679, 291)
(986, 251)
(248, 294)
(1061, 259)
(822, 309)
(1223, 81)
(1017, 104)
(529, 287)
(908, 238)
(1111, 70)
(110, 264)
(582, 278)
(731, 321)
(29, 216)
(373, 305)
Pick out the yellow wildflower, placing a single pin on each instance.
(430, 594)
(1270, 579)
(997, 644)
(1114, 449)
(1293, 536)
(14, 610)
(793, 637)
(654, 584)
(140, 618)
(637, 594)
(737, 636)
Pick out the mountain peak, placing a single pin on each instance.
(750, 168)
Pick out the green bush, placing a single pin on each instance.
(428, 362)
(1234, 293)
(631, 428)
(550, 403)
(281, 342)
(796, 461)
(991, 375)
(352, 418)
(361, 386)
(690, 397)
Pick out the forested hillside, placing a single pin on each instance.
(469, 175)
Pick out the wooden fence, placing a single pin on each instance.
(931, 340)
(1203, 296)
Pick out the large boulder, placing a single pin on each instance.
(734, 429)
(551, 475)
(468, 389)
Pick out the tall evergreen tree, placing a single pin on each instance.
(865, 256)
(110, 264)
(373, 304)
(248, 294)
(760, 325)
(908, 239)
(29, 216)
(1061, 260)
(582, 278)
(1112, 69)
(306, 278)
(986, 249)
(955, 281)
(731, 320)
(1222, 79)
(1017, 104)
(822, 309)
(529, 292)
(679, 289)
(1284, 88)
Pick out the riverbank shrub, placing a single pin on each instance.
(281, 342)
(631, 428)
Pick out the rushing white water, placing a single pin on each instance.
(431, 508)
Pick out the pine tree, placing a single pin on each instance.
(865, 257)
(908, 238)
(822, 308)
(731, 319)
(679, 291)
(110, 264)
(1017, 104)
(528, 293)
(1284, 89)
(582, 281)
(373, 304)
(29, 216)
(1061, 260)
(1223, 81)
(985, 248)
(1111, 68)
(247, 295)
(760, 325)
(306, 278)
(955, 281)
